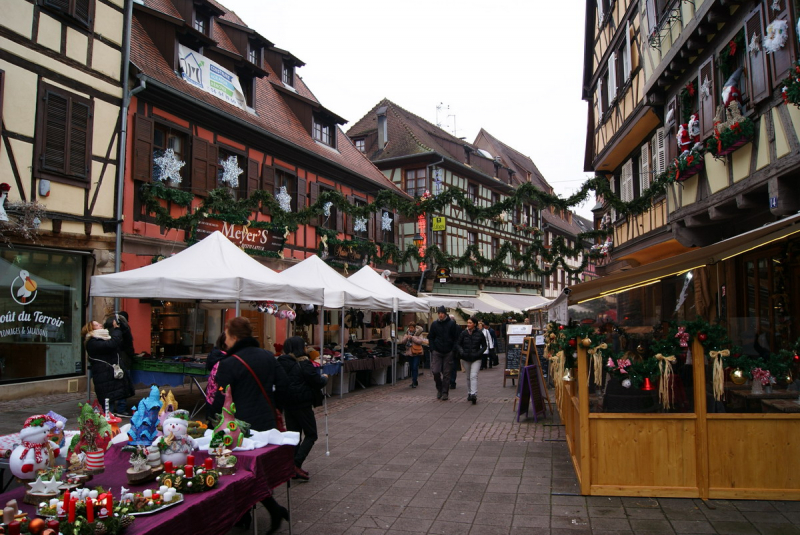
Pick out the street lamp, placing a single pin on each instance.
(418, 240)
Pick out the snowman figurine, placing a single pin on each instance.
(35, 450)
(176, 443)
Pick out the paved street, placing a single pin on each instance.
(403, 462)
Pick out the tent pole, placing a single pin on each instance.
(238, 308)
(88, 371)
(194, 327)
(394, 341)
(341, 344)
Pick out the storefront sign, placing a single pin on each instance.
(349, 254)
(211, 77)
(443, 275)
(439, 224)
(258, 239)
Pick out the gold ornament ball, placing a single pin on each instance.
(552, 336)
(587, 342)
(789, 378)
(738, 377)
(36, 526)
(640, 349)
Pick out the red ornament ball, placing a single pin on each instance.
(573, 342)
(702, 337)
(560, 327)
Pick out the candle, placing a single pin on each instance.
(168, 466)
(190, 460)
(189, 470)
(147, 493)
(209, 464)
(89, 510)
(71, 510)
(61, 509)
(53, 502)
(8, 514)
(66, 496)
(13, 527)
(163, 489)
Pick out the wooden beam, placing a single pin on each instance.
(747, 202)
(721, 213)
(697, 220)
(786, 197)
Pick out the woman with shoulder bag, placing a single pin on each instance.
(414, 341)
(471, 345)
(111, 379)
(303, 393)
(252, 373)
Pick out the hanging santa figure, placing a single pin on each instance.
(730, 91)
(694, 131)
(684, 140)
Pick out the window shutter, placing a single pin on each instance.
(350, 219)
(782, 60)
(599, 97)
(652, 17)
(614, 191)
(644, 168)
(301, 195)
(313, 195)
(707, 102)
(372, 223)
(63, 5)
(628, 64)
(612, 77)
(199, 163)
(600, 13)
(79, 142)
(758, 85)
(55, 135)
(339, 221)
(143, 149)
(267, 183)
(213, 167)
(83, 11)
(253, 177)
(626, 181)
(658, 152)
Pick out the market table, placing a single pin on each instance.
(214, 511)
(747, 396)
(780, 405)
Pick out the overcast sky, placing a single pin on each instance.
(512, 67)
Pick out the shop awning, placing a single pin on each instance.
(517, 302)
(676, 265)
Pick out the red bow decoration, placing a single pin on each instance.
(683, 337)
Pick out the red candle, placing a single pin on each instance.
(168, 466)
(89, 510)
(209, 463)
(190, 460)
(66, 497)
(14, 527)
(71, 510)
(188, 470)
(110, 504)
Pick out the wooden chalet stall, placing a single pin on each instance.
(698, 452)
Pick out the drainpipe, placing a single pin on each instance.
(123, 134)
(428, 230)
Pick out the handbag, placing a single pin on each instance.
(279, 425)
(119, 373)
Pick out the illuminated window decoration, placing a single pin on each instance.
(360, 224)
(386, 222)
(230, 171)
(422, 224)
(326, 209)
(285, 200)
(168, 167)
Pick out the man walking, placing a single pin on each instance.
(442, 337)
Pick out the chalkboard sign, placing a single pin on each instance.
(532, 392)
(513, 358)
(528, 347)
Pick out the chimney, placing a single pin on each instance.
(383, 132)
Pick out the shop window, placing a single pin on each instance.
(80, 11)
(40, 336)
(64, 137)
(174, 324)
(416, 180)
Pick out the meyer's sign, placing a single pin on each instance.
(258, 239)
(211, 77)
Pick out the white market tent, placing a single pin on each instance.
(212, 269)
(368, 279)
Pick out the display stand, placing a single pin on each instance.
(532, 392)
(515, 339)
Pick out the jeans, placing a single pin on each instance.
(454, 372)
(302, 420)
(472, 375)
(413, 363)
(442, 367)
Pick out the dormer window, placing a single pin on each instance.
(254, 55)
(323, 131)
(201, 23)
(287, 75)
(361, 145)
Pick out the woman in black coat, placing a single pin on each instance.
(301, 396)
(103, 348)
(471, 345)
(249, 391)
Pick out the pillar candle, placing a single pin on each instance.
(8, 514)
(66, 496)
(209, 463)
(163, 489)
(190, 460)
(62, 509)
(189, 470)
(71, 510)
(147, 493)
(53, 502)
(89, 510)
(110, 504)
(168, 466)
(14, 527)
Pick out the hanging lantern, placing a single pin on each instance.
(648, 385)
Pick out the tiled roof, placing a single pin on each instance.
(223, 41)
(562, 224)
(514, 159)
(273, 114)
(163, 6)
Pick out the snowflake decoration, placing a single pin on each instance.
(386, 222)
(360, 224)
(168, 167)
(326, 209)
(437, 182)
(754, 45)
(230, 171)
(705, 88)
(776, 5)
(284, 200)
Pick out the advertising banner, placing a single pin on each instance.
(211, 77)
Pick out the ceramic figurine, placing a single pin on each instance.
(35, 451)
(93, 439)
(229, 432)
(176, 443)
(169, 405)
(144, 423)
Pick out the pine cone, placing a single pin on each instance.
(126, 520)
(100, 529)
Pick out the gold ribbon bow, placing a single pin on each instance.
(718, 378)
(557, 372)
(665, 383)
(597, 362)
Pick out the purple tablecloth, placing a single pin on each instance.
(215, 511)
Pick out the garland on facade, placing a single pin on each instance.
(791, 88)
(726, 59)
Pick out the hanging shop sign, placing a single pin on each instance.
(242, 236)
(211, 77)
(443, 275)
(439, 224)
(349, 254)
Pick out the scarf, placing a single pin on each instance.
(102, 334)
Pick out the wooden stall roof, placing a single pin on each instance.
(676, 265)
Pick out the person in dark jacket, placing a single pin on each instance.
(249, 391)
(471, 345)
(442, 338)
(103, 348)
(127, 336)
(302, 394)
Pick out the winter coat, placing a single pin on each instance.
(443, 335)
(471, 344)
(251, 406)
(409, 339)
(103, 354)
(305, 382)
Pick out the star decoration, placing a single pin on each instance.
(230, 171)
(705, 88)
(45, 487)
(52, 486)
(168, 167)
(284, 199)
(386, 222)
(360, 224)
(754, 45)
(326, 209)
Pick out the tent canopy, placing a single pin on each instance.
(338, 291)
(436, 301)
(212, 269)
(368, 279)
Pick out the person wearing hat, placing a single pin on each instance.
(442, 338)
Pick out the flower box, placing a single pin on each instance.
(689, 172)
(735, 146)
